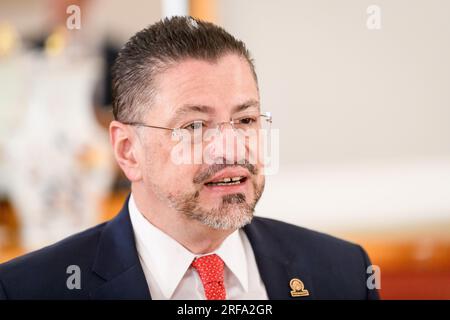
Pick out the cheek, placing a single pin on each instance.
(165, 172)
(158, 153)
(155, 163)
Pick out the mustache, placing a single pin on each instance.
(208, 173)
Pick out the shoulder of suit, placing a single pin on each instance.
(293, 236)
(78, 247)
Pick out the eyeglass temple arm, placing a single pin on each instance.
(139, 124)
(267, 115)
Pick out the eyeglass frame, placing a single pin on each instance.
(267, 115)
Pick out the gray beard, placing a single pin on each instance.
(233, 213)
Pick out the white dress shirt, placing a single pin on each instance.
(167, 264)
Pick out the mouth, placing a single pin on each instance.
(227, 181)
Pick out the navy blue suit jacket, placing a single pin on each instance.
(110, 269)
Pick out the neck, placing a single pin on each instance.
(194, 236)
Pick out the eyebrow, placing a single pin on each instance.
(195, 108)
(248, 104)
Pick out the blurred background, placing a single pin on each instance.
(360, 91)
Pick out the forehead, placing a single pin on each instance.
(221, 84)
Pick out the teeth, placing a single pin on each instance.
(227, 181)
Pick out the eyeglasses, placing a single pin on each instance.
(199, 130)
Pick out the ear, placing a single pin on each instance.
(125, 146)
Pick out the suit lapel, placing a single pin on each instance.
(117, 262)
(130, 284)
(277, 266)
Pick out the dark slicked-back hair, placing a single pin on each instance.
(159, 46)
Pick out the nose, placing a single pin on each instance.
(226, 145)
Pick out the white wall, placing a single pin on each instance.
(364, 114)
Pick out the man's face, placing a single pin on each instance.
(210, 92)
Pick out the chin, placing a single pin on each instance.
(230, 224)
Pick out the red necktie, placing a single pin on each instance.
(210, 270)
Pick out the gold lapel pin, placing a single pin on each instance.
(298, 288)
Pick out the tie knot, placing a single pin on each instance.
(209, 268)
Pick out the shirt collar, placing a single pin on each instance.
(233, 255)
(168, 260)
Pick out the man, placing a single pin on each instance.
(187, 230)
